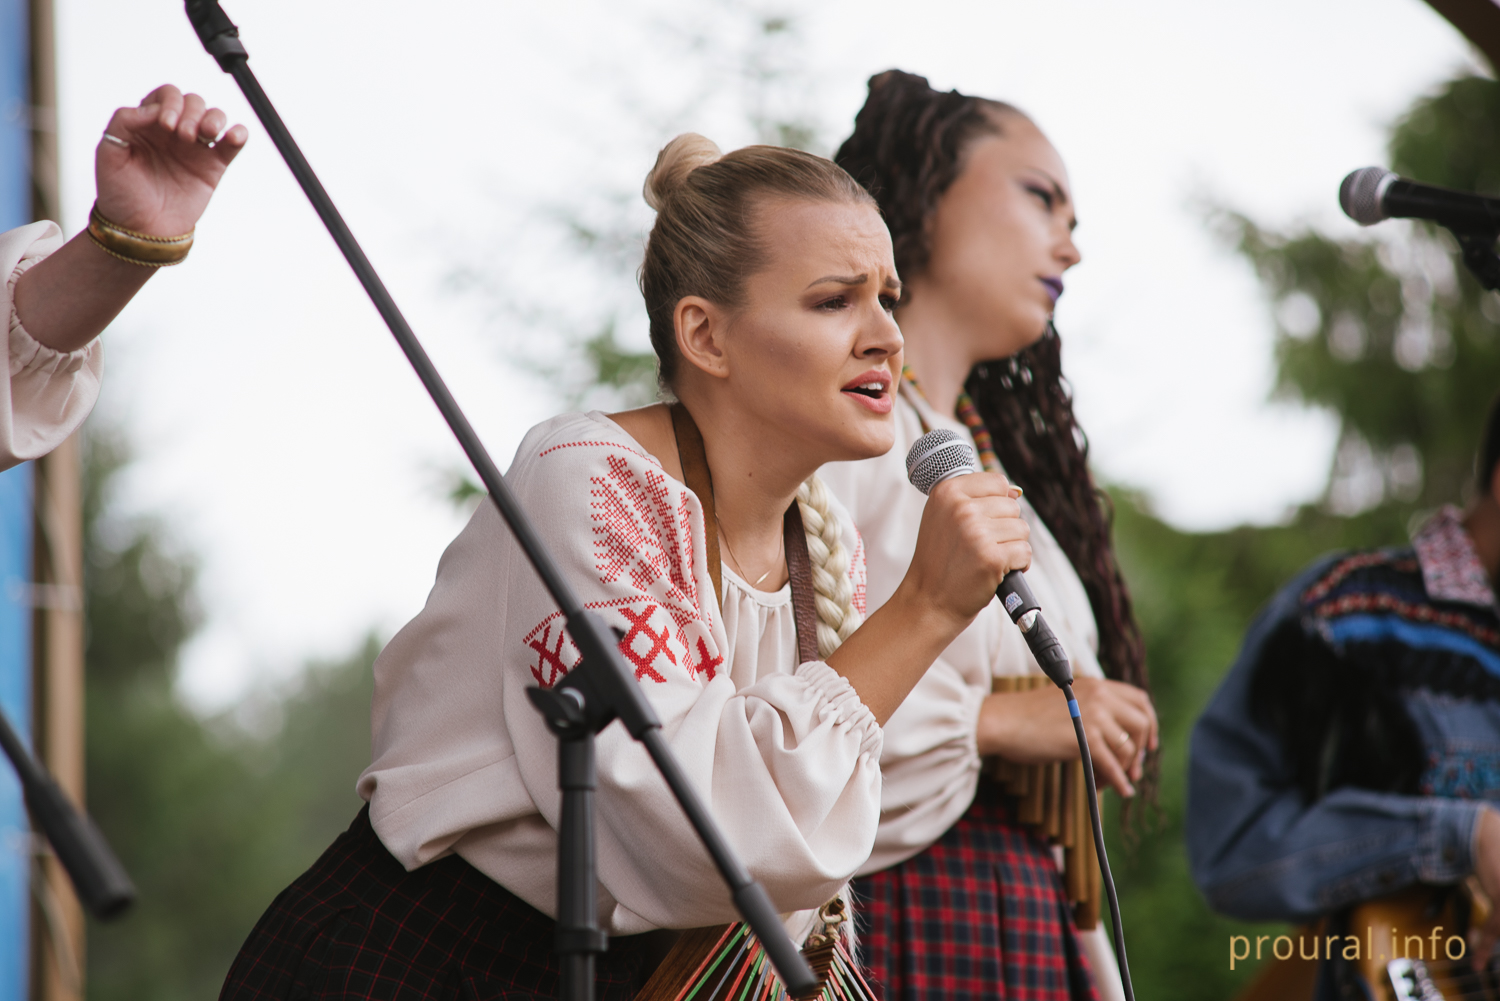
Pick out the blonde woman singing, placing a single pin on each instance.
(769, 285)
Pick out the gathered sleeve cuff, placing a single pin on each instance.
(836, 700)
(791, 771)
(49, 393)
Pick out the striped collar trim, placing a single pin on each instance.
(1451, 570)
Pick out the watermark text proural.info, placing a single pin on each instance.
(1349, 947)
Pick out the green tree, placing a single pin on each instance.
(211, 820)
(1392, 334)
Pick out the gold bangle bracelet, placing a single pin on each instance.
(137, 248)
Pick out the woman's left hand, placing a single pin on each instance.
(160, 182)
(1034, 727)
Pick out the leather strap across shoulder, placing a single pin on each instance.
(696, 474)
(701, 482)
(799, 569)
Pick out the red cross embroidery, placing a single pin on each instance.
(705, 664)
(639, 626)
(551, 659)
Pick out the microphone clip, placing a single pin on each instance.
(1480, 257)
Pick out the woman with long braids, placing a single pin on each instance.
(960, 899)
(769, 286)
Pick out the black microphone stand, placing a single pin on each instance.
(100, 881)
(599, 688)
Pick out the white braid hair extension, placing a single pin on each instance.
(833, 591)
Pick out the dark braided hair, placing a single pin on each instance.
(907, 149)
(1489, 449)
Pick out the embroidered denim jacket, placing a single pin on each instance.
(1260, 848)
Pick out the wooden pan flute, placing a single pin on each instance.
(1052, 800)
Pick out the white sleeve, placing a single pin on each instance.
(49, 393)
(930, 765)
(789, 764)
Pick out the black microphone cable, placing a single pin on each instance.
(941, 455)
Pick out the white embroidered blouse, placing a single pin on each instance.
(930, 761)
(49, 393)
(786, 755)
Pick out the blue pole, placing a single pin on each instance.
(15, 700)
(15, 529)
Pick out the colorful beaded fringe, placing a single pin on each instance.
(739, 970)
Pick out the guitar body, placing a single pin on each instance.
(1419, 947)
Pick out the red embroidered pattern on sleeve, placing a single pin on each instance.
(643, 541)
(859, 574)
(646, 639)
(640, 535)
(632, 520)
(705, 664)
(549, 668)
(640, 626)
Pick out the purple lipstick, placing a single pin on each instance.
(1054, 287)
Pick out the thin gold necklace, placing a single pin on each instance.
(780, 552)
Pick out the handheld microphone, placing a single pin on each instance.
(1374, 194)
(941, 455)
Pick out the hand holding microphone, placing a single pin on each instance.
(971, 536)
(942, 456)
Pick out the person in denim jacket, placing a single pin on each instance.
(1354, 748)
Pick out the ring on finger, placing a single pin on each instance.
(108, 137)
(209, 141)
(1124, 739)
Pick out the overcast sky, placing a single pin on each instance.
(282, 438)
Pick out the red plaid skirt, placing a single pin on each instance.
(980, 916)
(357, 926)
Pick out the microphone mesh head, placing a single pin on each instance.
(1360, 195)
(937, 456)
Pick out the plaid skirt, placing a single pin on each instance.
(979, 916)
(357, 926)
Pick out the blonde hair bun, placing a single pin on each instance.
(674, 163)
